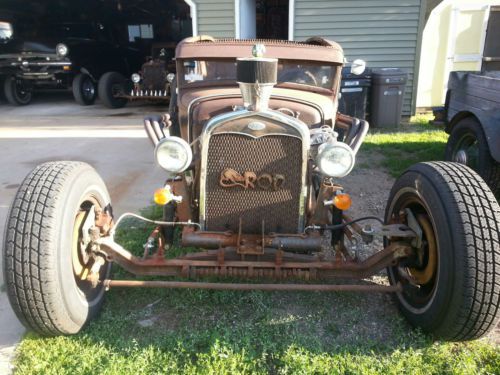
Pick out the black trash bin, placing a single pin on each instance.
(355, 94)
(388, 88)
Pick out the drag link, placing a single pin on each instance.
(265, 287)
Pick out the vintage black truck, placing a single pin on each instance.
(69, 55)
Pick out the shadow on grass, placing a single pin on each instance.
(162, 331)
(224, 332)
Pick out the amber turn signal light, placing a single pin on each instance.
(162, 196)
(342, 201)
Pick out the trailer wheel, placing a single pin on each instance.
(111, 85)
(84, 89)
(468, 145)
(46, 254)
(16, 92)
(451, 287)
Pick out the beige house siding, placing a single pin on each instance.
(385, 33)
(216, 18)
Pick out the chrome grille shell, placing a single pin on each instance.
(277, 125)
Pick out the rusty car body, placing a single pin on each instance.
(254, 151)
(151, 83)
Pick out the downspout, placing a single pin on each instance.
(194, 15)
(291, 19)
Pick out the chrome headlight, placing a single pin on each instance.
(335, 159)
(136, 78)
(61, 50)
(173, 154)
(170, 77)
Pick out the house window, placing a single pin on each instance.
(140, 32)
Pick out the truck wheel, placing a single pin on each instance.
(110, 85)
(468, 145)
(2, 92)
(84, 89)
(451, 287)
(16, 91)
(46, 251)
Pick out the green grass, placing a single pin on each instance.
(226, 332)
(415, 143)
(152, 331)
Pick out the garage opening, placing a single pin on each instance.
(272, 19)
(264, 19)
(115, 50)
(138, 24)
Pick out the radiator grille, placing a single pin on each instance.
(154, 76)
(276, 154)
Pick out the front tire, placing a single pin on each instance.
(468, 145)
(111, 85)
(84, 89)
(451, 289)
(44, 225)
(16, 91)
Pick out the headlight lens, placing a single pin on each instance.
(170, 77)
(335, 160)
(61, 50)
(136, 78)
(173, 154)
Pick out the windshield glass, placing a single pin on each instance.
(5, 31)
(298, 72)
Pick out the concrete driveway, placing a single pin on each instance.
(53, 127)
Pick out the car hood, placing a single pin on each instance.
(18, 46)
(39, 46)
(197, 106)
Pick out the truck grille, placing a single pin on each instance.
(274, 155)
(154, 76)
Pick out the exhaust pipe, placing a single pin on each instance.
(154, 126)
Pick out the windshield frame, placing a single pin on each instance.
(330, 91)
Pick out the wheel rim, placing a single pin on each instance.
(80, 256)
(88, 89)
(22, 93)
(466, 151)
(116, 90)
(425, 272)
(419, 276)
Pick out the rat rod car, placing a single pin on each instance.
(151, 83)
(253, 181)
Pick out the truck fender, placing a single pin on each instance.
(489, 124)
(87, 72)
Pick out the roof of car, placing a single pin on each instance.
(313, 49)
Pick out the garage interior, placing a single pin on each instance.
(135, 23)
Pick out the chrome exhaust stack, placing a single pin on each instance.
(256, 77)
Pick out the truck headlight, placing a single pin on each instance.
(335, 159)
(173, 154)
(61, 50)
(136, 78)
